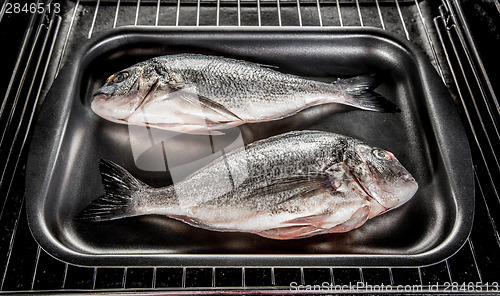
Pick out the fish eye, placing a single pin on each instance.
(380, 154)
(120, 77)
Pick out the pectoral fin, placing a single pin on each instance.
(305, 186)
(218, 108)
(291, 232)
(210, 108)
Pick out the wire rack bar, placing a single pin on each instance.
(471, 93)
(116, 13)
(24, 48)
(497, 4)
(420, 276)
(443, 24)
(483, 126)
(279, 13)
(429, 41)
(320, 19)
(359, 14)
(124, 279)
(259, 16)
(471, 246)
(94, 278)
(137, 12)
(299, 14)
(18, 95)
(340, 14)
(11, 247)
(465, 34)
(391, 277)
(14, 104)
(439, 21)
(54, 23)
(402, 19)
(36, 267)
(177, 15)
(380, 14)
(28, 114)
(183, 281)
(496, 233)
(66, 39)
(94, 19)
(157, 17)
(2, 10)
(361, 275)
(153, 282)
(198, 5)
(448, 270)
(478, 81)
(65, 275)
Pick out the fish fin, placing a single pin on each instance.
(361, 89)
(314, 220)
(218, 108)
(357, 219)
(273, 67)
(206, 103)
(291, 232)
(308, 185)
(191, 221)
(330, 179)
(118, 201)
(248, 63)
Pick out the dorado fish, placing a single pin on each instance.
(289, 186)
(200, 94)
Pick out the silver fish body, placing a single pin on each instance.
(293, 185)
(203, 94)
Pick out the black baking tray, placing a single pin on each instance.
(427, 137)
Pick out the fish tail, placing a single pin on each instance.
(119, 201)
(361, 89)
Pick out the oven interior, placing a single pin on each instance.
(450, 33)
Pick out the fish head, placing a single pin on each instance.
(381, 175)
(124, 92)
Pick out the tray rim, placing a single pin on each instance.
(42, 159)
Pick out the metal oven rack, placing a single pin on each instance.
(437, 28)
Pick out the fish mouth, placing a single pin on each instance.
(100, 106)
(100, 96)
(404, 193)
(99, 92)
(97, 101)
(106, 90)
